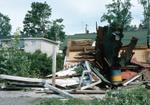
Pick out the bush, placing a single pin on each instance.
(20, 63)
(41, 65)
(60, 62)
(16, 62)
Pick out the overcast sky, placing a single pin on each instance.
(76, 13)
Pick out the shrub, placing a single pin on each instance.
(41, 65)
(60, 62)
(20, 63)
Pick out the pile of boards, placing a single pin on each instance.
(78, 51)
(88, 66)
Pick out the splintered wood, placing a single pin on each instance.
(78, 51)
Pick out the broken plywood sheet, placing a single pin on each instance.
(64, 73)
(140, 54)
(67, 82)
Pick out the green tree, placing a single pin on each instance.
(5, 26)
(36, 21)
(118, 13)
(56, 31)
(146, 6)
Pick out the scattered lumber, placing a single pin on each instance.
(57, 90)
(78, 51)
(20, 84)
(77, 91)
(82, 48)
(88, 92)
(128, 81)
(91, 85)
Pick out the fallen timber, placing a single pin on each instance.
(21, 79)
(77, 91)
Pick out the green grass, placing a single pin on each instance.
(136, 96)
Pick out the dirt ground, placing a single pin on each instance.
(33, 98)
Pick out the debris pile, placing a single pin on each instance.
(93, 68)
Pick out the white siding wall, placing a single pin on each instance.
(32, 45)
(47, 47)
(42, 45)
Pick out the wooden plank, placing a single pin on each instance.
(21, 79)
(35, 81)
(126, 82)
(91, 85)
(21, 84)
(84, 57)
(61, 92)
(78, 91)
(87, 92)
(82, 48)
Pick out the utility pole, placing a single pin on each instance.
(55, 48)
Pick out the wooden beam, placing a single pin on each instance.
(21, 79)
(78, 91)
(91, 85)
(82, 48)
(126, 82)
(61, 92)
(87, 92)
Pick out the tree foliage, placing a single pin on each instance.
(146, 6)
(56, 31)
(37, 19)
(118, 13)
(37, 23)
(5, 26)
